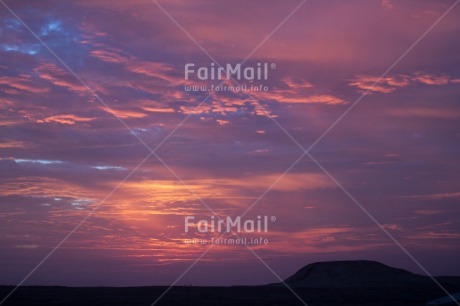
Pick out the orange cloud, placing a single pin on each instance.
(9, 121)
(151, 69)
(430, 79)
(124, 114)
(21, 83)
(326, 99)
(59, 77)
(7, 144)
(108, 56)
(157, 77)
(158, 109)
(154, 106)
(147, 197)
(201, 109)
(65, 119)
(295, 85)
(284, 97)
(290, 182)
(297, 91)
(375, 84)
(223, 122)
(43, 187)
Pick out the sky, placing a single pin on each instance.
(105, 150)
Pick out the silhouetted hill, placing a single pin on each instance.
(359, 273)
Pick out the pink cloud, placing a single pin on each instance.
(387, 4)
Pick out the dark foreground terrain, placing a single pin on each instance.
(350, 283)
(202, 296)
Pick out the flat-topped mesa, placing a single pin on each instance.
(359, 273)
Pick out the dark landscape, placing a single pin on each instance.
(326, 283)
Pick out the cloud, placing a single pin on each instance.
(8, 144)
(147, 68)
(325, 99)
(387, 4)
(161, 196)
(223, 122)
(388, 84)
(327, 240)
(22, 83)
(65, 119)
(196, 110)
(154, 107)
(34, 186)
(290, 182)
(296, 84)
(220, 106)
(155, 70)
(60, 77)
(147, 77)
(313, 99)
(108, 56)
(428, 212)
(429, 79)
(158, 110)
(123, 114)
(436, 196)
(298, 91)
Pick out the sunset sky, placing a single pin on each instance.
(88, 89)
